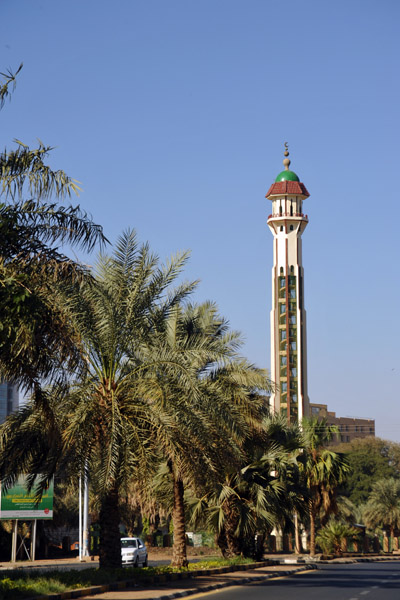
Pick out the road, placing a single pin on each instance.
(358, 581)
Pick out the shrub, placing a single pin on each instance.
(331, 537)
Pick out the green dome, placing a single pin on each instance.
(287, 176)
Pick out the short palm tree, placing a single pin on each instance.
(334, 535)
(322, 470)
(251, 498)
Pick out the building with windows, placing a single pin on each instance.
(9, 399)
(288, 317)
(350, 428)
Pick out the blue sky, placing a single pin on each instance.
(173, 115)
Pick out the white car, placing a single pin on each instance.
(133, 552)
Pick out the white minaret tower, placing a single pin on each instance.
(288, 317)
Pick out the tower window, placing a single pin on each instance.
(283, 386)
(282, 308)
(291, 228)
(281, 228)
(293, 345)
(293, 320)
(292, 269)
(283, 360)
(280, 210)
(283, 334)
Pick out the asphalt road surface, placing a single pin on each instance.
(358, 581)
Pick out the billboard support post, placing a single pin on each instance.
(33, 540)
(14, 540)
(80, 517)
(85, 533)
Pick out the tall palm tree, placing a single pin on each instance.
(212, 404)
(104, 418)
(323, 470)
(383, 506)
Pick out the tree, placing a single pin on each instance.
(323, 471)
(251, 498)
(383, 507)
(207, 411)
(106, 417)
(36, 337)
(369, 459)
(333, 535)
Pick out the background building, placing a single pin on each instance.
(350, 428)
(9, 399)
(288, 317)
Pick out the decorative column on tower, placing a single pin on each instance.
(288, 316)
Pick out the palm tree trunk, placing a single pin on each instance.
(233, 544)
(110, 538)
(312, 527)
(297, 540)
(220, 540)
(179, 556)
(391, 542)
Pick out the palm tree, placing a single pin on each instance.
(36, 337)
(105, 417)
(252, 497)
(334, 535)
(383, 506)
(323, 470)
(213, 403)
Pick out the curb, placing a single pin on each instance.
(348, 561)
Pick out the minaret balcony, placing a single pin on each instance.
(284, 216)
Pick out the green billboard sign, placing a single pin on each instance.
(18, 503)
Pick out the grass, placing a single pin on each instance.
(17, 585)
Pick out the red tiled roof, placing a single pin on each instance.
(287, 187)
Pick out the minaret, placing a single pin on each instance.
(288, 316)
